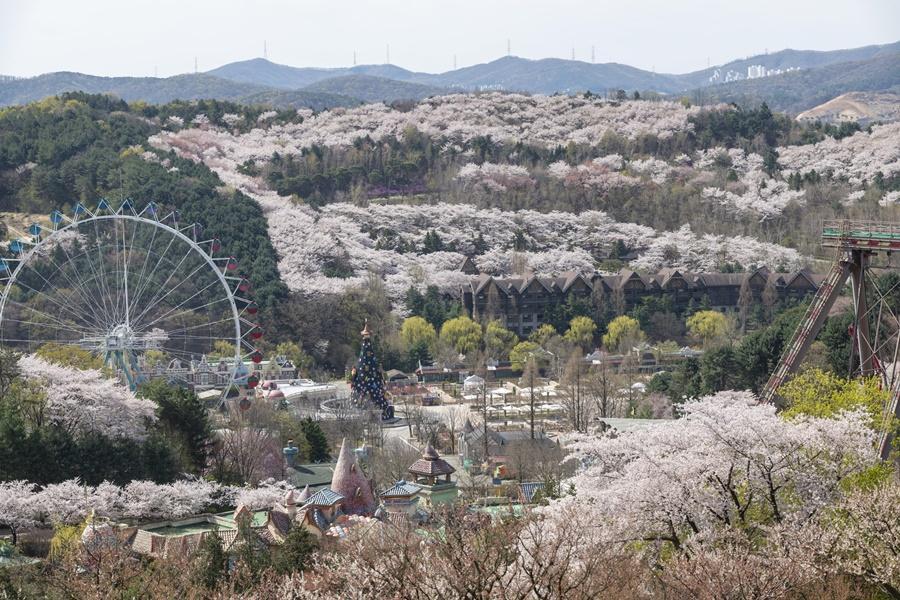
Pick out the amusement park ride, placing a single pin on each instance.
(876, 328)
(127, 284)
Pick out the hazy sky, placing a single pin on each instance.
(137, 37)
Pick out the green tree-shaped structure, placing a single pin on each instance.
(366, 379)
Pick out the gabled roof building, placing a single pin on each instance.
(522, 302)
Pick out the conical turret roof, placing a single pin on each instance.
(304, 495)
(431, 464)
(350, 482)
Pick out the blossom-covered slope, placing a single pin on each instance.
(378, 237)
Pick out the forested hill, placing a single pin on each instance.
(796, 59)
(797, 91)
(370, 88)
(192, 86)
(80, 148)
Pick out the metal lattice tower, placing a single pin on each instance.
(876, 328)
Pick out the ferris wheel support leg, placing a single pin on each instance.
(861, 308)
(807, 329)
(887, 437)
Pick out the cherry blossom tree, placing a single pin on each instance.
(729, 463)
(87, 401)
(17, 507)
(23, 504)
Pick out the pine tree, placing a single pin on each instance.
(210, 561)
(366, 379)
(295, 554)
(318, 443)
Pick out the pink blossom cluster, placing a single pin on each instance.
(756, 193)
(494, 178)
(703, 472)
(857, 158)
(556, 242)
(459, 118)
(24, 504)
(687, 250)
(88, 401)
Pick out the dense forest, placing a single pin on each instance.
(84, 148)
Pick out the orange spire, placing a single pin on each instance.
(365, 332)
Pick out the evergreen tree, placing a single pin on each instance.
(210, 561)
(294, 555)
(366, 379)
(183, 419)
(318, 443)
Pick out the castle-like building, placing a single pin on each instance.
(349, 501)
(522, 302)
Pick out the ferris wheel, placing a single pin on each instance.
(150, 297)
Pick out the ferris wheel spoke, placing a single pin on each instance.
(126, 318)
(167, 294)
(147, 253)
(55, 302)
(192, 327)
(149, 280)
(187, 310)
(153, 300)
(89, 301)
(57, 325)
(208, 336)
(117, 287)
(101, 292)
(37, 342)
(101, 261)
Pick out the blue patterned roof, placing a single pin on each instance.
(401, 488)
(529, 488)
(324, 497)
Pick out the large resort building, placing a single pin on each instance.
(522, 303)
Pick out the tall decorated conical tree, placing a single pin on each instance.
(366, 379)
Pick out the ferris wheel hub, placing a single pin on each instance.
(122, 337)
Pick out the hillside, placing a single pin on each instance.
(861, 107)
(801, 90)
(550, 75)
(369, 88)
(786, 59)
(280, 98)
(150, 89)
(260, 71)
(159, 90)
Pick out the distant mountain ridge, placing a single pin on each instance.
(548, 75)
(789, 58)
(193, 86)
(370, 88)
(801, 90)
(260, 71)
(821, 76)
